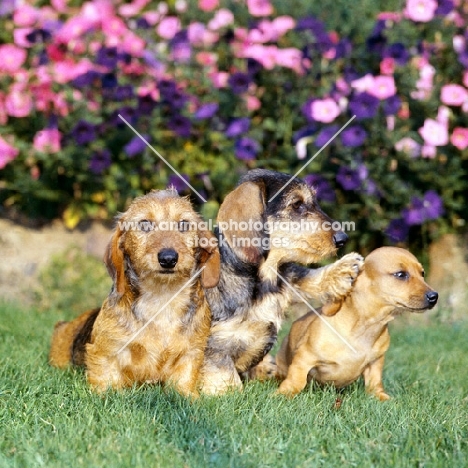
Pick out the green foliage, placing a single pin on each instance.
(50, 417)
(72, 282)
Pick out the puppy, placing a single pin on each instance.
(392, 282)
(154, 325)
(264, 249)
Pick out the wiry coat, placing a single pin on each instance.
(258, 281)
(154, 325)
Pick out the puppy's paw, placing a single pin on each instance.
(341, 276)
(382, 396)
(265, 370)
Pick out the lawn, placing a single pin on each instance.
(50, 418)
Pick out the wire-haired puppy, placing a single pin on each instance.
(154, 325)
(338, 349)
(267, 226)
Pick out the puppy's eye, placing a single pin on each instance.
(184, 226)
(298, 204)
(423, 274)
(145, 225)
(402, 275)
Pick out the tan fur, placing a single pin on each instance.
(313, 351)
(145, 294)
(249, 302)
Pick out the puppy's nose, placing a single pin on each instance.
(168, 258)
(340, 239)
(432, 297)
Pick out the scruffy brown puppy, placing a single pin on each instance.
(269, 228)
(392, 282)
(154, 325)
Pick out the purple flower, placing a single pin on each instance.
(398, 52)
(100, 161)
(84, 132)
(38, 35)
(128, 113)
(391, 105)
(151, 60)
(353, 136)
(180, 47)
(239, 82)
(376, 41)
(180, 125)
(121, 93)
(7, 7)
(107, 57)
(348, 178)
(253, 66)
(109, 80)
(364, 105)
(325, 134)
(343, 48)
(322, 187)
(237, 127)
(136, 146)
(246, 148)
(146, 104)
(89, 78)
(306, 109)
(433, 205)
(415, 214)
(176, 100)
(310, 23)
(176, 182)
(445, 7)
(167, 88)
(397, 230)
(308, 130)
(207, 110)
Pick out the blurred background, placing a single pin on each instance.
(218, 88)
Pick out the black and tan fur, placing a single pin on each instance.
(249, 302)
(149, 268)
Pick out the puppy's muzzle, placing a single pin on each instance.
(340, 239)
(431, 298)
(168, 258)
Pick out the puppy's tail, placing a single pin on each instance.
(69, 340)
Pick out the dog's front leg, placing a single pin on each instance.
(373, 379)
(333, 282)
(219, 374)
(296, 379)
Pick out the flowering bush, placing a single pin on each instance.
(217, 91)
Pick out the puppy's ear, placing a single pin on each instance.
(331, 309)
(209, 258)
(240, 219)
(114, 261)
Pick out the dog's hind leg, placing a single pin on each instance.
(219, 375)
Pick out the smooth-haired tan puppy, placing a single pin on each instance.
(391, 282)
(154, 325)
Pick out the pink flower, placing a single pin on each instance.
(387, 66)
(168, 27)
(25, 15)
(208, 5)
(420, 10)
(195, 33)
(18, 102)
(7, 153)
(221, 19)
(443, 114)
(324, 110)
(459, 138)
(47, 141)
(290, 58)
(73, 28)
(428, 151)
(266, 55)
(465, 78)
(252, 102)
(207, 59)
(59, 5)
(133, 44)
(219, 79)
(434, 133)
(282, 24)
(259, 7)
(383, 87)
(453, 95)
(363, 84)
(12, 58)
(132, 9)
(409, 146)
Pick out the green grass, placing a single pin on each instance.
(50, 418)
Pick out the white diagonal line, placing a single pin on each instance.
(312, 158)
(160, 156)
(160, 310)
(315, 312)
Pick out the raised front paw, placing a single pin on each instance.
(341, 275)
